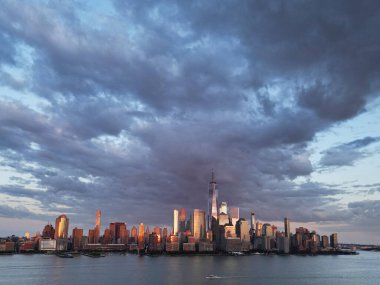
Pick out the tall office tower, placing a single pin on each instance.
(115, 229)
(48, 231)
(157, 231)
(287, 228)
(242, 230)
(334, 240)
(252, 222)
(325, 241)
(134, 233)
(199, 224)
(182, 220)
(107, 237)
(123, 235)
(223, 208)
(91, 239)
(165, 232)
(97, 226)
(258, 229)
(234, 215)
(141, 230)
(267, 230)
(141, 238)
(212, 211)
(61, 227)
(175, 222)
(77, 238)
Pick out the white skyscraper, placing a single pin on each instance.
(175, 222)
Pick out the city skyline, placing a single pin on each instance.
(197, 227)
(126, 106)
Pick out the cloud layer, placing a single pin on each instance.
(136, 104)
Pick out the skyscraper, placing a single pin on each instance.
(334, 240)
(97, 226)
(141, 238)
(61, 227)
(134, 233)
(117, 231)
(252, 222)
(234, 215)
(223, 208)
(287, 228)
(77, 238)
(199, 224)
(48, 231)
(182, 220)
(175, 222)
(212, 211)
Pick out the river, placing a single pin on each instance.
(133, 269)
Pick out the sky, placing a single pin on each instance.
(127, 106)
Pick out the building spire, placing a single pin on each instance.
(212, 175)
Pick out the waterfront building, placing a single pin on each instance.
(234, 215)
(61, 227)
(91, 236)
(175, 222)
(107, 238)
(154, 243)
(77, 238)
(116, 229)
(97, 226)
(287, 228)
(47, 245)
(199, 224)
(182, 220)
(334, 240)
(206, 246)
(283, 244)
(172, 244)
(325, 241)
(212, 211)
(188, 247)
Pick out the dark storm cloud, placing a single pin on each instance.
(348, 153)
(144, 103)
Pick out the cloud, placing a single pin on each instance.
(346, 154)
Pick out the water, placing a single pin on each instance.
(132, 269)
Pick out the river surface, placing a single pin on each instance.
(132, 269)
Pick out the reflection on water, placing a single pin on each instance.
(132, 269)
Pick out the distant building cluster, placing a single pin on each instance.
(220, 229)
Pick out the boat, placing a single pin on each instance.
(213, 277)
(64, 255)
(94, 254)
(236, 253)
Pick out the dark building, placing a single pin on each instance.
(48, 232)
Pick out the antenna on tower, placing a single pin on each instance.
(212, 175)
